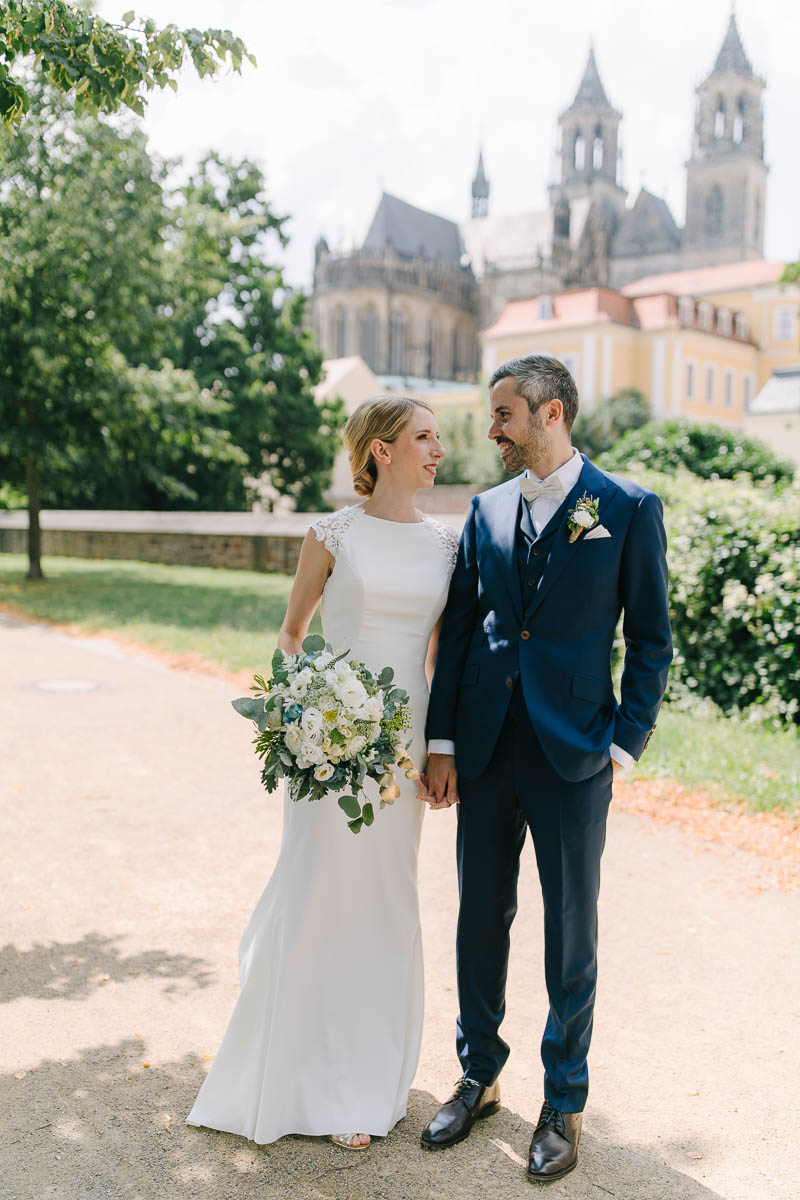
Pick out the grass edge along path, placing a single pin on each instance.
(226, 622)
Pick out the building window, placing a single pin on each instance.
(597, 150)
(724, 321)
(397, 344)
(686, 310)
(738, 123)
(714, 213)
(747, 391)
(742, 326)
(454, 353)
(710, 385)
(579, 152)
(705, 315)
(785, 323)
(719, 120)
(728, 388)
(341, 333)
(691, 381)
(570, 361)
(369, 338)
(545, 307)
(757, 220)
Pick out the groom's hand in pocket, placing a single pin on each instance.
(440, 781)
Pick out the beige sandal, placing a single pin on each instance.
(345, 1140)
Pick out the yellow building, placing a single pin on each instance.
(701, 344)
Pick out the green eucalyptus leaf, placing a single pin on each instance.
(313, 643)
(355, 825)
(249, 707)
(368, 814)
(350, 806)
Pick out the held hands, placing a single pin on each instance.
(438, 785)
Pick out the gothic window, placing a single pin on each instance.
(579, 153)
(369, 337)
(714, 204)
(561, 220)
(738, 122)
(341, 333)
(397, 344)
(597, 150)
(719, 120)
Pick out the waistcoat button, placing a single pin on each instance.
(509, 682)
(525, 635)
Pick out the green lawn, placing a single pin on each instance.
(232, 618)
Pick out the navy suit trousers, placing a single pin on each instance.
(519, 790)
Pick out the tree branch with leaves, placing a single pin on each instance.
(106, 66)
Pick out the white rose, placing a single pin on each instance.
(293, 738)
(312, 753)
(583, 518)
(352, 693)
(374, 707)
(323, 771)
(343, 669)
(299, 685)
(322, 660)
(311, 721)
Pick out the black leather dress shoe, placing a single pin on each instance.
(554, 1145)
(469, 1103)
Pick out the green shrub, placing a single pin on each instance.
(734, 560)
(471, 458)
(708, 451)
(11, 498)
(600, 429)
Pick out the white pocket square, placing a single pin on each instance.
(597, 532)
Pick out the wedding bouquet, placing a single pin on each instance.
(327, 724)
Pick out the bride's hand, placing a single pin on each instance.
(439, 788)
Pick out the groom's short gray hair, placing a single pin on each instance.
(540, 377)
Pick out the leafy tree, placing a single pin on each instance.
(708, 451)
(599, 429)
(471, 458)
(236, 326)
(106, 66)
(80, 227)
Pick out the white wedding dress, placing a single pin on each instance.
(325, 1035)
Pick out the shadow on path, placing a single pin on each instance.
(72, 970)
(102, 1124)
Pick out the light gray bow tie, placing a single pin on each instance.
(534, 489)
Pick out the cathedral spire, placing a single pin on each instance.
(732, 58)
(590, 93)
(480, 190)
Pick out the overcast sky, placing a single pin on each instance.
(356, 96)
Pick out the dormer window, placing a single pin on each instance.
(545, 307)
(686, 310)
(705, 315)
(724, 321)
(742, 326)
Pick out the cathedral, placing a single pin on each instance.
(412, 299)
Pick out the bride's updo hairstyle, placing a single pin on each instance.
(384, 418)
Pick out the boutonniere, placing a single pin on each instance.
(583, 516)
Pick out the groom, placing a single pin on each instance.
(525, 731)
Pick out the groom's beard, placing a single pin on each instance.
(528, 451)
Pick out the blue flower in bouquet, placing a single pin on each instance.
(293, 713)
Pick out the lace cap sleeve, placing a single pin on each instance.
(331, 528)
(447, 538)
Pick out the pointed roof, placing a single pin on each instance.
(480, 179)
(731, 57)
(411, 231)
(590, 93)
(647, 228)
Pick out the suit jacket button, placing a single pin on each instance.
(525, 635)
(509, 682)
(537, 550)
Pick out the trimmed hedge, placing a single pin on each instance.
(708, 451)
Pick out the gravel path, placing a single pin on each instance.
(134, 840)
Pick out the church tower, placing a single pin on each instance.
(480, 190)
(726, 175)
(589, 144)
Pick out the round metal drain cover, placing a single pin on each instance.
(66, 685)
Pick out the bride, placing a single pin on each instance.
(325, 1035)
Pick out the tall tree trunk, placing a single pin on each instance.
(34, 530)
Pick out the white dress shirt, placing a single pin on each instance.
(542, 510)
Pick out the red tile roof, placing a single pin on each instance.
(699, 281)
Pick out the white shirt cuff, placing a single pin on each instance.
(621, 756)
(441, 746)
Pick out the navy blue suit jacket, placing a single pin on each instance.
(558, 643)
